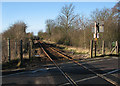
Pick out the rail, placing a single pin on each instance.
(99, 75)
(78, 63)
(65, 74)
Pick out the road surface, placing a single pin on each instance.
(109, 67)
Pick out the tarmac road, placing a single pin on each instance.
(109, 67)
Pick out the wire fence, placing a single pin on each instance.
(11, 49)
(20, 49)
(104, 48)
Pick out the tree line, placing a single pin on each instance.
(76, 30)
(72, 29)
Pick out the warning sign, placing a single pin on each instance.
(96, 35)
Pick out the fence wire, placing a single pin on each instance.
(14, 50)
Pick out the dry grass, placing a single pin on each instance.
(77, 50)
(48, 41)
(70, 48)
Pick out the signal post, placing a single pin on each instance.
(97, 28)
(95, 36)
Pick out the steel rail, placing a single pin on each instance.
(99, 75)
(71, 81)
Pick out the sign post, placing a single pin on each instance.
(95, 37)
(97, 28)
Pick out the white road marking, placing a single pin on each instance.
(86, 78)
(112, 72)
(53, 67)
(97, 61)
(85, 62)
(34, 71)
(92, 77)
(38, 70)
(13, 74)
(115, 57)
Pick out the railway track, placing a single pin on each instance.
(70, 80)
(48, 50)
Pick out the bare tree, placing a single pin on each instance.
(72, 29)
(67, 17)
(110, 24)
(16, 31)
(116, 12)
(50, 24)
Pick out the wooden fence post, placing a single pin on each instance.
(21, 52)
(95, 48)
(31, 44)
(117, 48)
(9, 51)
(16, 48)
(91, 48)
(103, 47)
(29, 49)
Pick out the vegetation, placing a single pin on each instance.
(15, 33)
(76, 30)
(73, 30)
(68, 29)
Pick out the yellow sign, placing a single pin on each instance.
(95, 39)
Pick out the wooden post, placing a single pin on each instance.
(9, 51)
(84, 39)
(95, 48)
(21, 52)
(91, 48)
(29, 49)
(103, 47)
(95, 37)
(117, 48)
(31, 44)
(16, 48)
